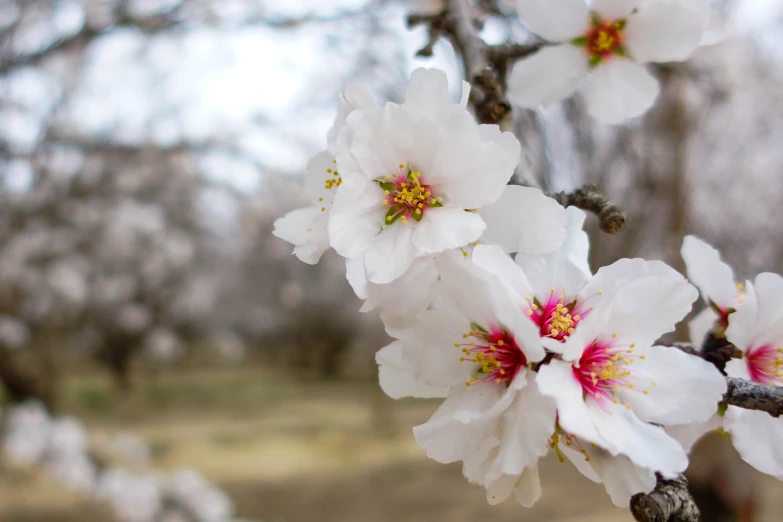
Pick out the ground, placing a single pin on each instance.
(295, 450)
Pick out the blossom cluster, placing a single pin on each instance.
(487, 291)
(60, 447)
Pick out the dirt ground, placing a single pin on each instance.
(298, 450)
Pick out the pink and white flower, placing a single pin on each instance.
(715, 280)
(756, 328)
(415, 178)
(612, 383)
(306, 228)
(477, 350)
(609, 41)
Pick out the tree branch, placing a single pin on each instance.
(754, 396)
(485, 65)
(610, 218)
(670, 501)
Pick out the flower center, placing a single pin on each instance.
(556, 318)
(604, 369)
(333, 180)
(495, 351)
(603, 40)
(765, 364)
(407, 196)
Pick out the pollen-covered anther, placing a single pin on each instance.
(496, 353)
(407, 195)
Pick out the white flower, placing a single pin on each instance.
(510, 225)
(476, 349)
(609, 40)
(306, 228)
(413, 177)
(133, 498)
(715, 281)
(756, 328)
(612, 382)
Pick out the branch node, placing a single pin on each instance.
(670, 501)
(610, 218)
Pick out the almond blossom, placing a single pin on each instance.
(477, 349)
(306, 228)
(609, 41)
(415, 179)
(715, 281)
(612, 382)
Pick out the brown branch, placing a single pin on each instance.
(485, 65)
(754, 396)
(610, 218)
(670, 501)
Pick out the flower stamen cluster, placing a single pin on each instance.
(497, 353)
(407, 196)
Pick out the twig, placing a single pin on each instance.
(669, 502)
(754, 396)
(610, 218)
(485, 65)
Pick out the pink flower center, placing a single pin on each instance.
(555, 317)
(603, 40)
(495, 351)
(604, 369)
(765, 364)
(407, 196)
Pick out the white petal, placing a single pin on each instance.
(293, 226)
(555, 20)
(450, 164)
(320, 168)
(492, 259)
(738, 368)
(410, 295)
(614, 9)
(768, 288)
(759, 439)
(396, 381)
(648, 298)
(525, 220)
(620, 90)
(742, 330)
(706, 270)
(500, 489)
(666, 32)
(430, 355)
(646, 445)
(447, 439)
(580, 462)
(506, 140)
(621, 477)
(356, 218)
(390, 253)
(701, 325)
(528, 489)
(465, 287)
(550, 75)
(527, 426)
(557, 380)
(357, 276)
(428, 88)
(688, 434)
(687, 390)
(567, 267)
(382, 140)
(442, 229)
(306, 229)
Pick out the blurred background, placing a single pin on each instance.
(147, 146)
